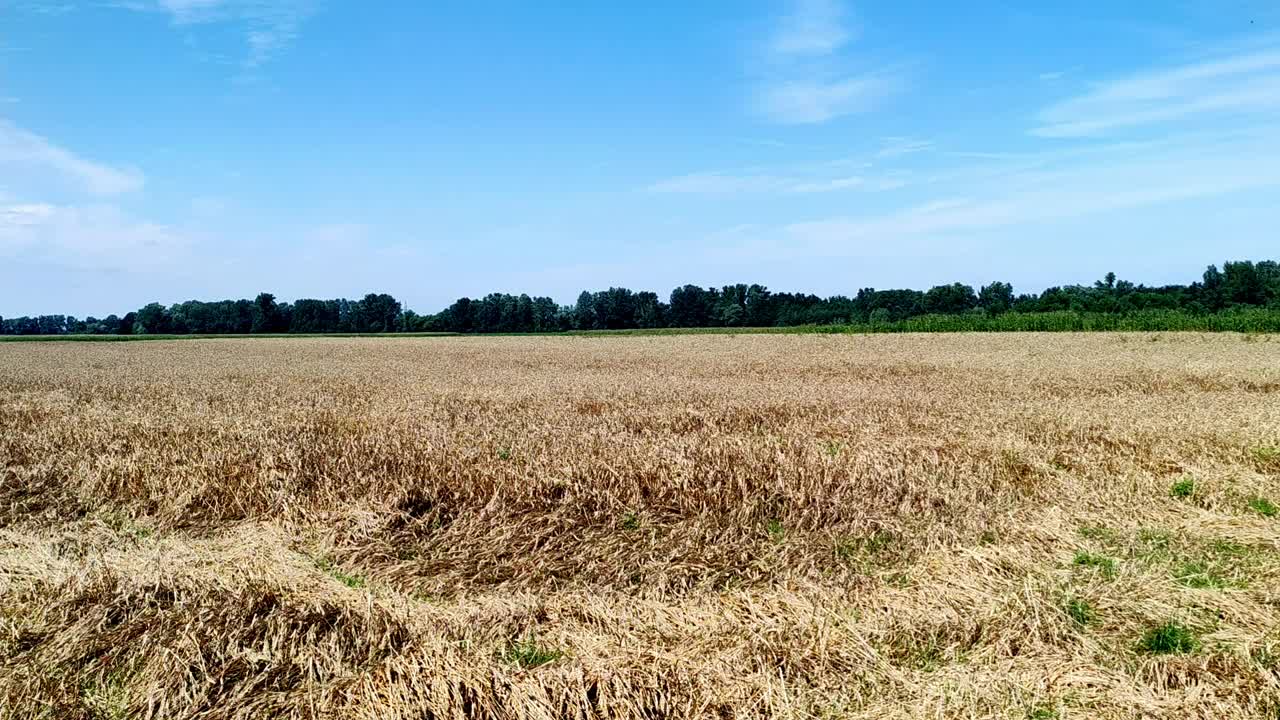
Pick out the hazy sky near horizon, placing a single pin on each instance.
(165, 150)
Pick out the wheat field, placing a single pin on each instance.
(783, 526)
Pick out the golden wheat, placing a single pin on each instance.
(915, 526)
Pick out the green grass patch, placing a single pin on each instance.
(1185, 487)
(1153, 544)
(124, 524)
(1263, 507)
(777, 533)
(1081, 612)
(1266, 454)
(1099, 533)
(629, 521)
(527, 653)
(106, 700)
(1267, 657)
(899, 580)
(1101, 563)
(924, 652)
(1170, 638)
(1229, 549)
(878, 549)
(1043, 711)
(1200, 575)
(350, 580)
(1230, 563)
(1202, 563)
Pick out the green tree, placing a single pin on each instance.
(615, 308)
(314, 316)
(458, 317)
(266, 314)
(377, 313)
(760, 306)
(996, 298)
(691, 306)
(649, 311)
(950, 299)
(545, 315)
(1242, 284)
(584, 312)
(151, 319)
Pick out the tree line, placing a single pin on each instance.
(1238, 285)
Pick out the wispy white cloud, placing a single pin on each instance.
(78, 230)
(812, 27)
(14, 216)
(23, 154)
(187, 10)
(727, 183)
(867, 171)
(807, 101)
(1119, 178)
(822, 186)
(807, 75)
(100, 237)
(714, 183)
(1245, 82)
(895, 146)
(268, 26)
(44, 7)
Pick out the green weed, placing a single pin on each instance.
(1265, 657)
(124, 524)
(1102, 563)
(1100, 533)
(629, 521)
(1043, 711)
(1229, 549)
(352, 581)
(874, 549)
(1198, 575)
(1183, 488)
(1081, 612)
(1154, 543)
(777, 533)
(106, 700)
(1168, 639)
(922, 653)
(1266, 454)
(898, 580)
(1263, 507)
(527, 653)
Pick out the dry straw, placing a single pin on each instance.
(959, 526)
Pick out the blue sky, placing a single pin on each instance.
(176, 149)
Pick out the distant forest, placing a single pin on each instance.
(1238, 290)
